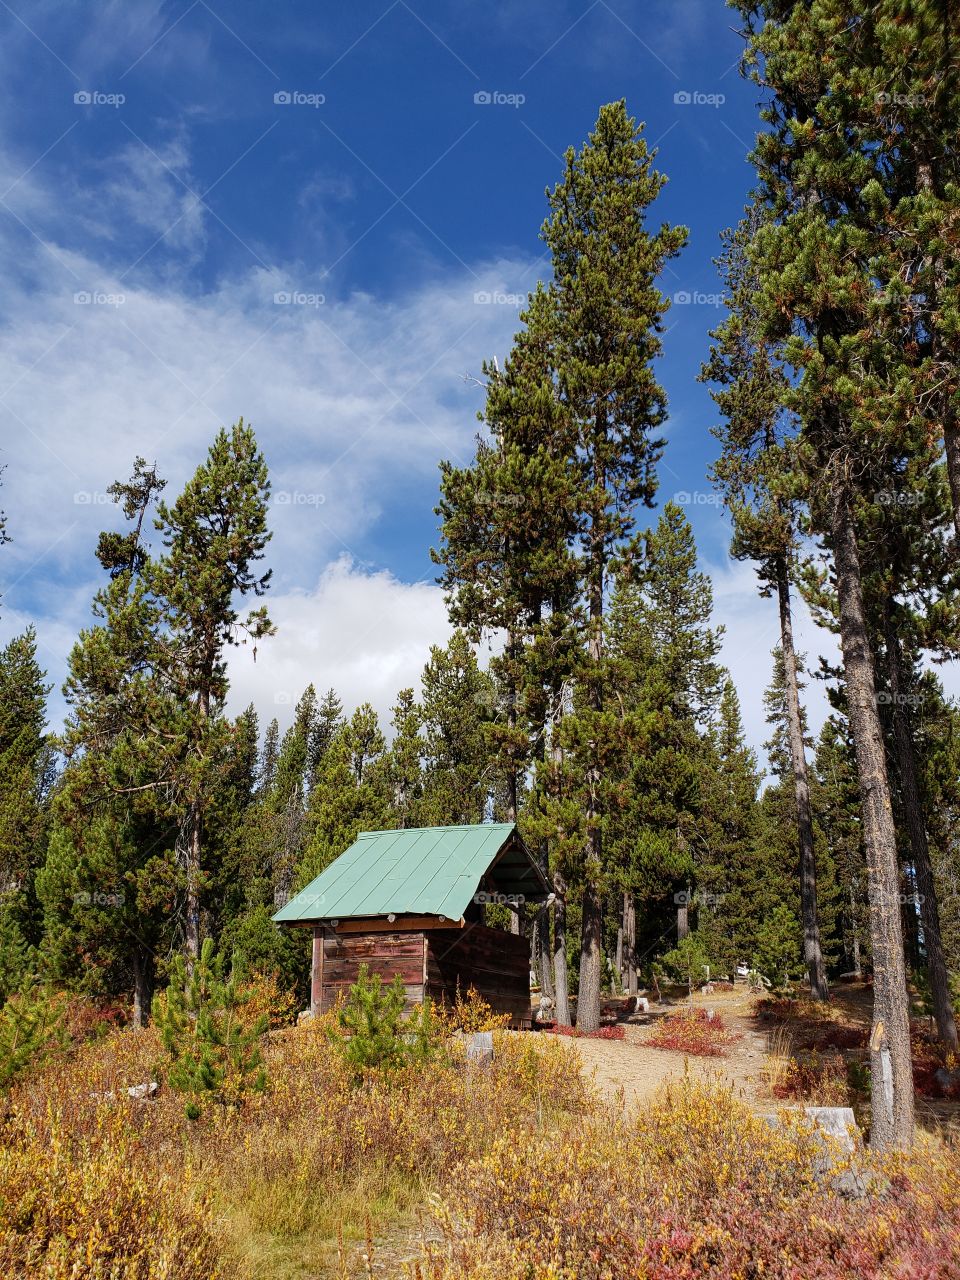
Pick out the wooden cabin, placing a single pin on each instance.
(412, 903)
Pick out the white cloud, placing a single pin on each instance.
(354, 400)
(360, 631)
(151, 189)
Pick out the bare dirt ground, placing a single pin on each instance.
(633, 1069)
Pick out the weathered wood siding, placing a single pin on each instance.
(431, 963)
(495, 962)
(388, 954)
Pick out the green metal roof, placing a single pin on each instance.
(421, 871)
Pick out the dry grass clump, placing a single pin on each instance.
(818, 1079)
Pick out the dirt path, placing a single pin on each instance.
(637, 1070)
(634, 1069)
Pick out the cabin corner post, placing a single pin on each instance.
(316, 971)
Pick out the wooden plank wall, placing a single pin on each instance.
(497, 963)
(388, 954)
(431, 963)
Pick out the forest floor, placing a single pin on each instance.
(636, 1069)
(628, 1073)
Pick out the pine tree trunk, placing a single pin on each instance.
(910, 927)
(560, 978)
(188, 858)
(892, 1119)
(919, 845)
(545, 949)
(545, 954)
(588, 992)
(943, 361)
(191, 933)
(630, 942)
(560, 983)
(142, 986)
(618, 965)
(513, 785)
(683, 916)
(812, 951)
(540, 958)
(191, 938)
(951, 442)
(855, 937)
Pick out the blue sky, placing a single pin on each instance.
(303, 214)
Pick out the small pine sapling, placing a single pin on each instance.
(689, 961)
(370, 1031)
(214, 1052)
(31, 1027)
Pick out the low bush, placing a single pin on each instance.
(211, 1037)
(472, 1013)
(613, 1032)
(32, 1027)
(822, 1081)
(85, 1204)
(698, 1187)
(693, 1031)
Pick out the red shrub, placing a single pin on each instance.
(86, 1019)
(614, 1032)
(606, 1033)
(821, 1080)
(693, 1031)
